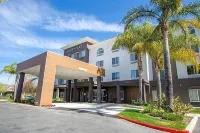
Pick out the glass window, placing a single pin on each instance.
(115, 76)
(133, 58)
(72, 56)
(154, 95)
(191, 70)
(76, 55)
(194, 95)
(115, 61)
(195, 48)
(82, 54)
(134, 74)
(99, 63)
(100, 51)
(162, 74)
(192, 30)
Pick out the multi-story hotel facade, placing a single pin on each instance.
(120, 83)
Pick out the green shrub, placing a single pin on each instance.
(157, 112)
(149, 108)
(181, 108)
(172, 117)
(138, 103)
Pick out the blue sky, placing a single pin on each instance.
(30, 27)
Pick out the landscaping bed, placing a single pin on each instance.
(157, 121)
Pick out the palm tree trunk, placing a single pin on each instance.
(15, 87)
(158, 87)
(140, 76)
(167, 66)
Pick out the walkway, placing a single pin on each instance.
(103, 109)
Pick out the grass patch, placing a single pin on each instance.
(137, 115)
(195, 111)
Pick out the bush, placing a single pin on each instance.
(138, 103)
(149, 108)
(157, 112)
(181, 108)
(172, 117)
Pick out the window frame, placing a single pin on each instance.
(100, 63)
(131, 58)
(115, 60)
(135, 74)
(115, 76)
(197, 94)
(80, 54)
(100, 50)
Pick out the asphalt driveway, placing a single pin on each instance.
(18, 118)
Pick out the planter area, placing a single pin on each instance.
(177, 123)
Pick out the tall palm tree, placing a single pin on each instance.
(11, 70)
(179, 51)
(167, 13)
(133, 40)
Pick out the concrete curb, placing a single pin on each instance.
(153, 126)
(192, 124)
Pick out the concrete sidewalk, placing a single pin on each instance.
(103, 109)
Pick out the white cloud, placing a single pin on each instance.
(30, 40)
(74, 22)
(18, 17)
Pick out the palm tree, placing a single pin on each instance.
(133, 40)
(11, 70)
(167, 13)
(179, 51)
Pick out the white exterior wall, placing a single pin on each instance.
(182, 68)
(125, 65)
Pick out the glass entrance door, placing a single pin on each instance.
(103, 95)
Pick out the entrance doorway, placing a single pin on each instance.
(103, 95)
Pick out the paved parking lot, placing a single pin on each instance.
(18, 118)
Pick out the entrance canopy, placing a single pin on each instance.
(48, 66)
(66, 68)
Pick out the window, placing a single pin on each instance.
(100, 51)
(162, 74)
(191, 70)
(115, 76)
(133, 58)
(76, 55)
(134, 74)
(195, 48)
(99, 63)
(154, 95)
(115, 61)
(82, 54)
(122, 95)
(192, 30)
(194, 95)
(72, 56)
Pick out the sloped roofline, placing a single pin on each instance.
(85, 39)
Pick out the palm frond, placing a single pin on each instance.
(191, 9)
(137, 14)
